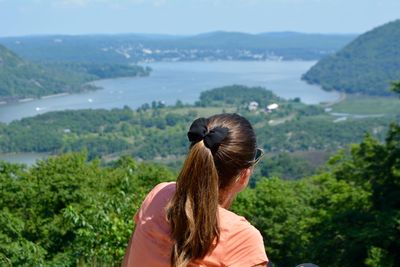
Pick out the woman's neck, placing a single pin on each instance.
(226, 199)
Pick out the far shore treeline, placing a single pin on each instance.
(134, 48)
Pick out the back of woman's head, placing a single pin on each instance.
(221, 147)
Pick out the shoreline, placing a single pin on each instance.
(16, 100)
(28, 99)
(53, 95)
(28, 158)
(342, 97)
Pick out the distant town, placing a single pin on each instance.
(149, 55)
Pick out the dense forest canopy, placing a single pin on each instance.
(238, 96)
(367, 65)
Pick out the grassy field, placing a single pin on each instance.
(366, 105)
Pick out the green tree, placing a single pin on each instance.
(67, 211)
(278, 209)
(396, 87)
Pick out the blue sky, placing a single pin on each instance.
(26, 17)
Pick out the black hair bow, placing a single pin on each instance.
(212, 139)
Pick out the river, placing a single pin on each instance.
(23, 158)
(171, 81)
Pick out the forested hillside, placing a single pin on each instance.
(367, 65)
(22, 79)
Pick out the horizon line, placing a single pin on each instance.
(172, 34)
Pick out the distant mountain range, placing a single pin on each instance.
(133, 48)
(367, 65)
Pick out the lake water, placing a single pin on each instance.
(171, 81)
(25, 158)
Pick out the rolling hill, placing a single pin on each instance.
(367, 65)
(21, 79)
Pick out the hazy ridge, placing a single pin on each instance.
(128, 48)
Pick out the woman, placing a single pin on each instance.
(187, 223)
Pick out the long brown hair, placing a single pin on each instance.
(193, 211)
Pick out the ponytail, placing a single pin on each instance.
(193, 211)
(221, 146)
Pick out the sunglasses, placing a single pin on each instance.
(259, 154)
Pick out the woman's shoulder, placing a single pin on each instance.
(164, 187)
(162, 190)
(158, 196)
(232, 224)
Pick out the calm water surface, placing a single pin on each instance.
(171, 81)
(24, 158)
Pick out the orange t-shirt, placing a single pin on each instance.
(240, 243)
